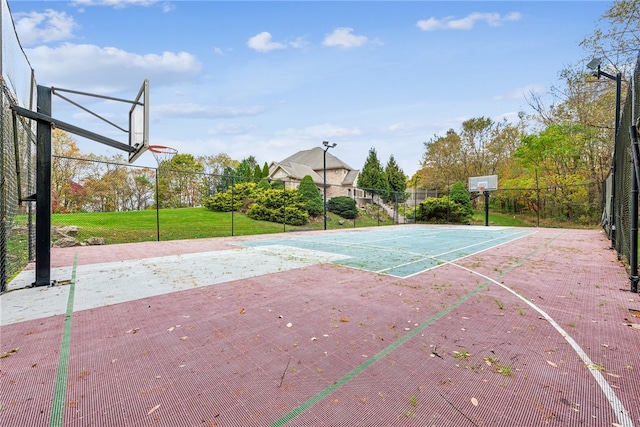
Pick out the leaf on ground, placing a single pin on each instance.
(243, 311)
(344, 319)
(184, 338)
(9, 353)
(474, 401)
(552, 364)
(613, 375)
(153, 409)
(171, 329)
(289, 325)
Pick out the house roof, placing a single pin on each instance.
(311, 162)
(314, 158)
(298, 171)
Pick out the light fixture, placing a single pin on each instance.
(324, 166)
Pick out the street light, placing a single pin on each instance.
(327, 146)
(594, 65)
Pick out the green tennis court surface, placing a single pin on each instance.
(401, 253)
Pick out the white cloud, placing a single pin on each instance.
(230, 128)
(343, 37)
(199, 111)
(262, 43)
(523, 92)
(468, 22)
(119, 4)
(82, 65)
(320, 132)
(44, 27)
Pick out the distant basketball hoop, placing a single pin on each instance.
(162, 153)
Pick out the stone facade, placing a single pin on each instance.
(341, 178)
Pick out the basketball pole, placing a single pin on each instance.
(486, 208)
(43, 191)
(45, 124)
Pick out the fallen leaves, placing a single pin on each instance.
(152, 410)
(474, 401)
(344, 319)
(552, 364)
(243, 311)
(9, 353)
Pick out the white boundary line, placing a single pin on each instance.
(623, 416)
(457, 259)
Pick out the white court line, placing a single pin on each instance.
(435, 257)
(623, 416)
(366, 245)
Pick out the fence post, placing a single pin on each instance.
(158, 204)
(232, 205)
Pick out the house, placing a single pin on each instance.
(341, 178)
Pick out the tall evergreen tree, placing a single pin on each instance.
(397, 181)
(311, 196)
(265, 170)
(372, 178)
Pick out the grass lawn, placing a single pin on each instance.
(190, 223)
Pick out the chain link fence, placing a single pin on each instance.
(100, 202)
(620, 220)
(103, 202)
(17, 155)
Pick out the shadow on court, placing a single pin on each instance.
(406, 326)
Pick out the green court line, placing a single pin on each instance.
(59, 394)
(357, 370)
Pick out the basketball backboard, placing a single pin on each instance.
(483, 183)
(139, 123)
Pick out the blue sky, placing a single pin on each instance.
(270, 78)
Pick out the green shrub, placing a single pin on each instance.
(343, 206)
(441, 209)
(242, 193)
(460, 195)
(275, 205)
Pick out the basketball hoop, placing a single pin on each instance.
(162, 153)
(481, 188)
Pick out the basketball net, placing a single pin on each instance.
(162, 154)
(481, 188)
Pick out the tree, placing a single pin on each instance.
(311, 196)
(396, 180)
(441, 162)
(246, 169)
(560, 163)
(218, 169)
(372, 178)
(66, 173)
(265, 170)
(181, 181)
(617, 37)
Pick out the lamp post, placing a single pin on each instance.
(594, 65)
(327, 146)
